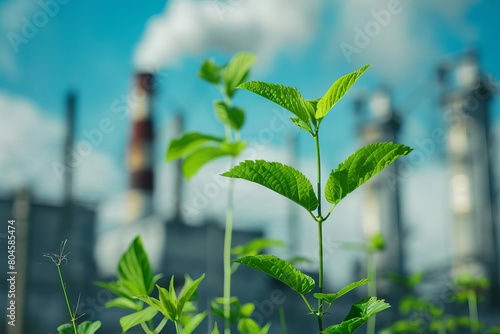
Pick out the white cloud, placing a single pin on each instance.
(402, 43)
(189, 27)
(30, 143)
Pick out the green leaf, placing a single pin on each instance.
(233, 117)
(210, 72)
(134, 269)
(283, 179)
(194, 322)
(249, 326)
(137, 318)
(301, 124)
(86, 327)
(337, 91)
(187, 291)
(255, 246)
(281, 270)
(331, 297)
(287, 97)
(359, 314)
(360, 167)
(187, 143)
(216, 329)
(237, 70)
(123, 302)
(246, 310)
(376, 243)
(116, 288)
(197, 159)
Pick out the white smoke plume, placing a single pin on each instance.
(189, 27)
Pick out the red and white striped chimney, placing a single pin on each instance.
(140, 157)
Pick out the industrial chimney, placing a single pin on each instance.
(140, 156)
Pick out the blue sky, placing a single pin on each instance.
(95, 47)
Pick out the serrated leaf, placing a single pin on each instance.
(233, 117)
(358, 315)
(331, 297)
(210, 72)
(337, 91)
(360, 167)
(287, 97)
(137, 318)
(187, 143)
(280, 270)
(283, 179)
(255, 246)
(236, 71)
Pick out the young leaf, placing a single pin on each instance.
(197, 159)
(135, 271)
(216, 329)
(187, 143)
(281, 270)
(287, 97)
(359, 314)
(255, 246)
(234, 117)
(137, 318)
(187, 291)
(210, 72)
(301, 124)
(193, 322)
(360, 167)
(283, 179)
(237, 70)
(249, 326)
(123, 302)
(337, 91)
(331, 297)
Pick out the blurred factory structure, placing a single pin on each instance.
(198, 249)
(466, 95)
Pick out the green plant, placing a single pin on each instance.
(134, 287)
(197, 149)
(86, 327)
(291, 183)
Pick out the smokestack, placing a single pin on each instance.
(178, 185)
(140, 157)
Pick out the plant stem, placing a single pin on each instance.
(177, 329)
(282, 320)
(320, 233)
(73, 319)
(372, 288)
(227, 256)
(473, 314)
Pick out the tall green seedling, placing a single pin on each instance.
(197, 149)
(294, 185)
